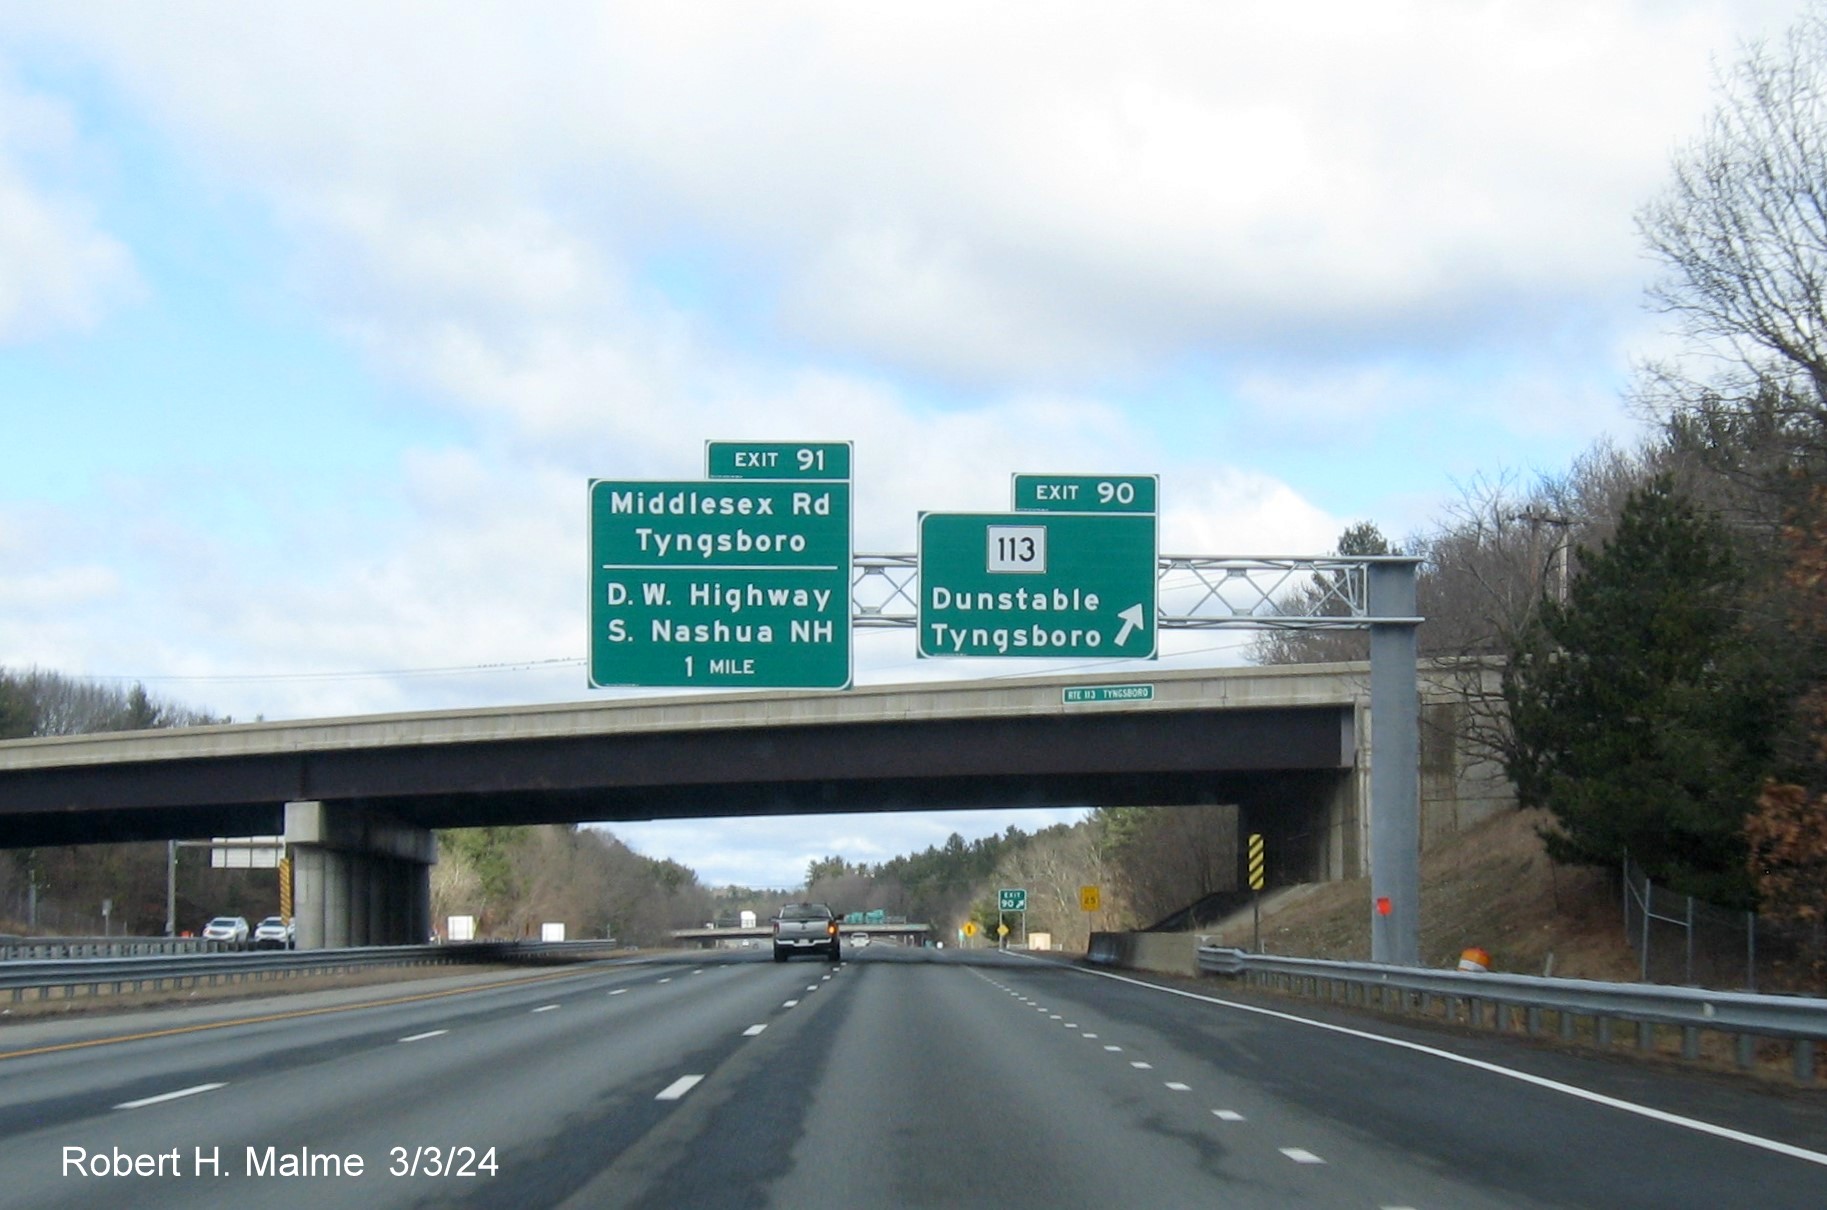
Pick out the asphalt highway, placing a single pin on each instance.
(898, 1078)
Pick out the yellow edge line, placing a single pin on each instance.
(302, 1012)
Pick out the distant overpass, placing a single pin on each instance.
(1287, 745)
(710, 937)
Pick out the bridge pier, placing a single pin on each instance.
(360, 877)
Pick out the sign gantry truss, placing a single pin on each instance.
(1196, 592)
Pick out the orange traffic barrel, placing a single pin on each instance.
(1474, 958)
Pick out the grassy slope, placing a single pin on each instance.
(1490, 886)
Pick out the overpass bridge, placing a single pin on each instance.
(711, 938)
(356, 797)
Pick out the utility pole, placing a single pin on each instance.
(1556, 562)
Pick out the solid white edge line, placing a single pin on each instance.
(169, 1096)
(1584, 1094)
(678, 1088)
(434, 1033)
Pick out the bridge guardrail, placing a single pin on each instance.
(119, 975)
(1462, 996)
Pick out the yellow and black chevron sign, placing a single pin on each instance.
(1257, 862)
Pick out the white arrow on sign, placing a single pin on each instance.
(1132, 620)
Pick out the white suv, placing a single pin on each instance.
(232, 929)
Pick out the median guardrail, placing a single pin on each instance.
(1581, 1009)
(45, 979)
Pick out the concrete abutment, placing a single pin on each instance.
(359, 876)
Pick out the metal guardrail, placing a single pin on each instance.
(13, 949)
(48, 979)
(1461, 996)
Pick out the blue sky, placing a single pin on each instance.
(314, 323)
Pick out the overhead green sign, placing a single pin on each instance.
(741, 582)
(1046, 585)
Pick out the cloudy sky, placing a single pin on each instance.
(315, 320)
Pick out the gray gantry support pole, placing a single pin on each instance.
(1395, 763)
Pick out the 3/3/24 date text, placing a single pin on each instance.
(441, 1161)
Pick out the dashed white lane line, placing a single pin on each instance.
(790, 1004)
(546, 1008)
(1227, 1115)
(1179, 1087)
(1113, 1049)
(169, 1096)
(813, 988)
(620, 991)
(430, 1033)
(1090, 1035)
(1141, 1066)
(678, 1088)
(1300, 1155)
(753, 1030)
(668, 979)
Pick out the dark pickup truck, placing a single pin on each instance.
(805, 926)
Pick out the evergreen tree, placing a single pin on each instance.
(15, 710)
(1644, 717)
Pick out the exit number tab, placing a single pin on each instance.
(821, 460)
(1086, 493)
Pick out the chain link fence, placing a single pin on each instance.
(1681, 940)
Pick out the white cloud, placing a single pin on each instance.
(1009, 196)
(58, 269)
(58, 588)
(1241, 512)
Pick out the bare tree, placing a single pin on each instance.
(1051, 868)
(1741, 231)
(1319, 597)
(1164, 858)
